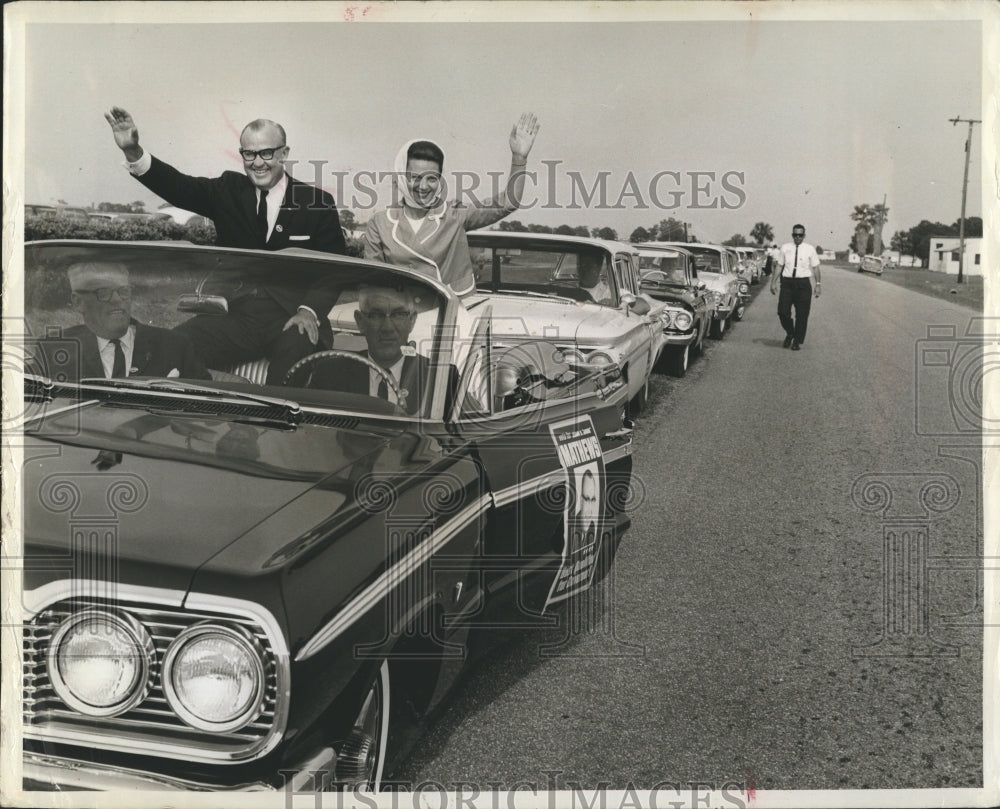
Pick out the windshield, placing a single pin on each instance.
(314, 329)
(578, 272)
(707, 259)
(670, 264)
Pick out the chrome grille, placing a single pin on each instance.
(152, 720)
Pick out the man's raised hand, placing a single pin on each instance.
(125, 132)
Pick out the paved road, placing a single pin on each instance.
(739, 636)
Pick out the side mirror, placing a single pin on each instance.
(202, 304)
(636, 304)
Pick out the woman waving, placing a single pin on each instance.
(425, 231)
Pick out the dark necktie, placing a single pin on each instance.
(118, 370)
(383, 389)
(262, 215)
(795, 264)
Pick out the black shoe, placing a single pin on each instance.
(788, 342)
(795, 346)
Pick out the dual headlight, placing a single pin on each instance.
(680, 320)
(100, 664)
(596, 359)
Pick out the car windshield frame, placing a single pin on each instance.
(541, 267)
(162, 272)
(679, 276)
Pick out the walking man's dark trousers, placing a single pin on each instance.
(795, 293)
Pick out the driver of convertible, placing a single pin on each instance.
(385, 316)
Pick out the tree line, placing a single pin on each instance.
(913, 242)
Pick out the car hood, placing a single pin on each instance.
(164, 493)
(557, 319)
(673, 294)
(715, 281)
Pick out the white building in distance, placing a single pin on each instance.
(943, 256)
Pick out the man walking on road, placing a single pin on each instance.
(797, 265)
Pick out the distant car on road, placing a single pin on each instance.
(716, 267)
(750, 264)
(669, 274)
(873, 264)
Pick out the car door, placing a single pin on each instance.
(535, 447)
(702, 309)
(626, 271)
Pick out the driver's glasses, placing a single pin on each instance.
(397, 316)
(103, 294)
(249, 155)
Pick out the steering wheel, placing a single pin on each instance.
(333, 353)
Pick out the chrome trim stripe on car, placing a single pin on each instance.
(526, 488)
(618, 453)
(38, 599)
(391, 578)
(49, 413)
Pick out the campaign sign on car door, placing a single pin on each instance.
(580, 455)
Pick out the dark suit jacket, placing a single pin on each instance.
(308, 219)
(75, 355)
(353, 377)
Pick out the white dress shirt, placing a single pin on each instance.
(107, 352)
(275, 196)
(375, 379)
(807, 259)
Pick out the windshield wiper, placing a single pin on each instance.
(176, 386)
(290, 409)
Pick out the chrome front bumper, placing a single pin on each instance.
(675, 339)
(44, 773)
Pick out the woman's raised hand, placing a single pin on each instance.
(522, 135)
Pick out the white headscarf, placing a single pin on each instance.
(399, 178)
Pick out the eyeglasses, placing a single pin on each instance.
(104, 293)
(798, 235)
(397, 316)
(249, 155)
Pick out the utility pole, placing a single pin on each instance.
(965, 184)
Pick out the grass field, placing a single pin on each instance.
(938, 285)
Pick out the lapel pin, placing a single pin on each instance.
(279, 228)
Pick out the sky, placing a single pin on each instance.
(781, 121)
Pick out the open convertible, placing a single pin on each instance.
(579, 292)
(232, 584)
